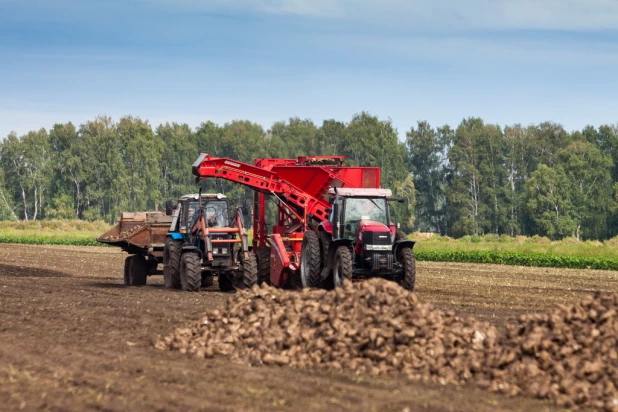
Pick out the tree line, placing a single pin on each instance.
(474, 179)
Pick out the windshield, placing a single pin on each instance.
(216, 213)
(365, 209)
(357, 209)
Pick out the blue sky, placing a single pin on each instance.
(507, 61)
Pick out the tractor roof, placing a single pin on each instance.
(360, 192)
(195, 196)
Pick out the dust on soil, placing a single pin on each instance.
(72, 337)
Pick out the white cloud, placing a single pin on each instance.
(436, 14)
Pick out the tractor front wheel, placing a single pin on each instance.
(190, 272)
(310, 273)
(247, 277)
(342, 268)
(171, 263)
(407, 260)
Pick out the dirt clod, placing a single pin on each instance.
(376, 327)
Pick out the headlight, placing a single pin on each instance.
(224, 251)
(378, 247)
(215, 251)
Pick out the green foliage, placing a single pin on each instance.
(43, 240)
(519, 259)
(477, 179)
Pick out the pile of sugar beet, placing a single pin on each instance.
(568, 355)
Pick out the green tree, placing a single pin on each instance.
(179, 151)
(330, 138)
(106, 193)
(425, 157)
(589, 184)
(68, 155)
(464, 191)
(295, 138)
(548, 204)
(26, 164)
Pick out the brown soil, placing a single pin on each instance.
(72, 337)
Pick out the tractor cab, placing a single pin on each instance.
(359, 222)
(362, 216)
(216, 209)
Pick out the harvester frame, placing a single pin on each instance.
(301, 190)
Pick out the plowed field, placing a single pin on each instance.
(72, 337)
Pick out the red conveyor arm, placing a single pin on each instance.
(265, 181)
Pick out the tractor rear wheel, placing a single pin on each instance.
(310, 273)
(263, 260)
(342, 267)
(136, 271)
(407, 260)
(247, 276)
(190, 272)
(171, 263)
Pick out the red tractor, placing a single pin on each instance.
(333, 221)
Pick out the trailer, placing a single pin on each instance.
(142, 235)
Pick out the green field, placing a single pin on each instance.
(53, 232)
(519, 251)
(518, 244)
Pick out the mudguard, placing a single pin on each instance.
(403, 243)
(176, 235)
(189, 248)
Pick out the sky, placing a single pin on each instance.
(190, 61)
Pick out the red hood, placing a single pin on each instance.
(372, 226)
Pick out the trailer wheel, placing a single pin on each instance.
(263, 259)
(226, 282)
(136, 271)
(207, 279)
(171, 263)
(127, 263)
(310, 274)
(342, 268)
(248, 275)
(190, 272)
(407, 260)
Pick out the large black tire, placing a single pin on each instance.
(226, 282)
(171, 263)
(326, 275)
(342, 266)
(247, 276)
(406, 257)
(325, 239)
(136, 271)
(207, 279)
(400, 236)
(310, 259)
(263, 260)
(190, 272)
